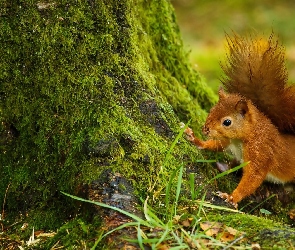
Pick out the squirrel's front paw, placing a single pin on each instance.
(190, 136)
(228, 198)
(188, 131)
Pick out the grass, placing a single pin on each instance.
(179, 225)
(205, 56)
(175, 228)
(170, 231)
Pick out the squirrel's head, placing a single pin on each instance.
(229, 118)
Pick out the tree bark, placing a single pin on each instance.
(91, 97)
(90, 86)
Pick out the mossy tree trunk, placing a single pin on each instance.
(88, 86)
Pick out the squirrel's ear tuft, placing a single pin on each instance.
(242, 107)
(221, 92)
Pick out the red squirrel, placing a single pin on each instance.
(254, 118)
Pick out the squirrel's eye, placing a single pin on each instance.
(227, 122)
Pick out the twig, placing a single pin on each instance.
(4, 201)
(54, 247)
(234, 242)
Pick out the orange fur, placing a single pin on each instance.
(255, 119)
(250, 137)
(256, 70)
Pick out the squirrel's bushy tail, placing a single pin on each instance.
(256, 70)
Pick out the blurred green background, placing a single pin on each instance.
(203, 24)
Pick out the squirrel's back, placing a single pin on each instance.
(256, 70)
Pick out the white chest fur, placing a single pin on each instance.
(236, 149)
(273, 179)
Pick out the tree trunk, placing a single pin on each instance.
(92, 94)
(90, 86)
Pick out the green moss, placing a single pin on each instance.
(243, 222)
(183, 88)
(75, 233)
(268, 233)
(89, 86)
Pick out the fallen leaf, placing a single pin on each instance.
(197, 243)
(291, 213)
(36, 233)
(219, 229)
(211, 228)
(231, 230)
(176, 218)
(163, 246)
(226, 236)
(186, 223)
(129, 247)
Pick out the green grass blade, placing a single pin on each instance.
(273, 195)
(179, 180)
(175, 141)
(146, 241)
(139, 237)
(168, 188)
(97, 241)
(128, 224)
(229, 171)
(179, 247)
(221, 175)
(164, 235)
(201, 204)
(134, 217)
(209, 205)
(179, 241)
(151, 217)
